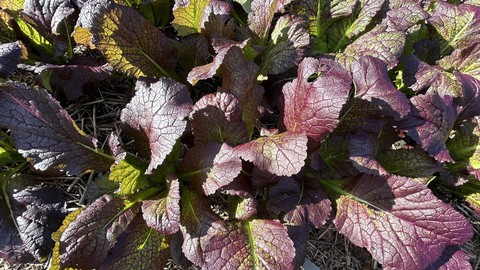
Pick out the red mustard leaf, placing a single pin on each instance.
(48, 15)
(258, 243)
(196, 221)
(370, 76)
(45, 134)
(218, 117)
(162, 212)
(439, 116)
(303, 202)
(10, 54)
(400, 222)
(283, 154)
(239, 78)
(453, 258)
(470, 100)
(261, 16)
(363, 150)
(211, 165)
(157, 112)
(86, 241)
(314, 107)
(138, 247)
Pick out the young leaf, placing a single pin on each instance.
(130, 173)
(456, 27)
(314, 107)
(218, 118)
(399, 221)
(10, 54)
(39, 210)
(45, 134)
(372, 83)
(287, 45)
(130, 43)
(138, 247)
(157, 114)
(162, 212)
(239, 78)
(211, 165)
(188, 16)
(85, 242)
(283, 154)
(255, 244)
(303, 202)
(439, 115)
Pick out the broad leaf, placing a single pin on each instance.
(283, 154)
(260, 17)
(130, 173)
(10, 54)
(368, 10)
(45, 134)
(39, 210)
(211, 165)
(156, 114)
(314, 107)
(405, 15)
(130, 43)
(196, 221)
(262, 244)
(335, 153)
(303, 202)
(363, 150)
(470, 100)
(193, 51)
(188, 16)
(85, 241)
(288, 42)
(453, 258)
(466, 61)
(399, 221)
(209, 70)
(138, 247)
(439, 115)
(464, 146)
(48, 16)
(162, 212)
(456, 27)
(372, 83)
(218, 118)
(239, 78)
(409, 162)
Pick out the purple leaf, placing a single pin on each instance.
(363, 150)
(466, 61)
(470, 100)
(86, 241)
(193, 51)
(138, 247)
(39, 210)
(44, 133)
(10, 54)
(196, 221)
(405, 15)
(283, 154)
(48, 15)
(302, 201)
(162, 212)
(211, 165)
(250, 244)
(372, 83)
(420, 76)
(314, 107)
(157, 113)
(453, 258)
(288, 42)
(239, 78)
(244, 208)
(260, 18)
(439, 115)
(208, 71)
(218, 117)
(400, 222)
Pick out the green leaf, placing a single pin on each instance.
(35, 37)
(13, 5)
(188, 18)
(130, 173)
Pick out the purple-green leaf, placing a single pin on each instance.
(283, 154)
(162, 212)
(400, 222)
(255, 244)
(370, 76)
(213, 166)
(156, 115)
(45, 134)
(314, 107)
(48, 15)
